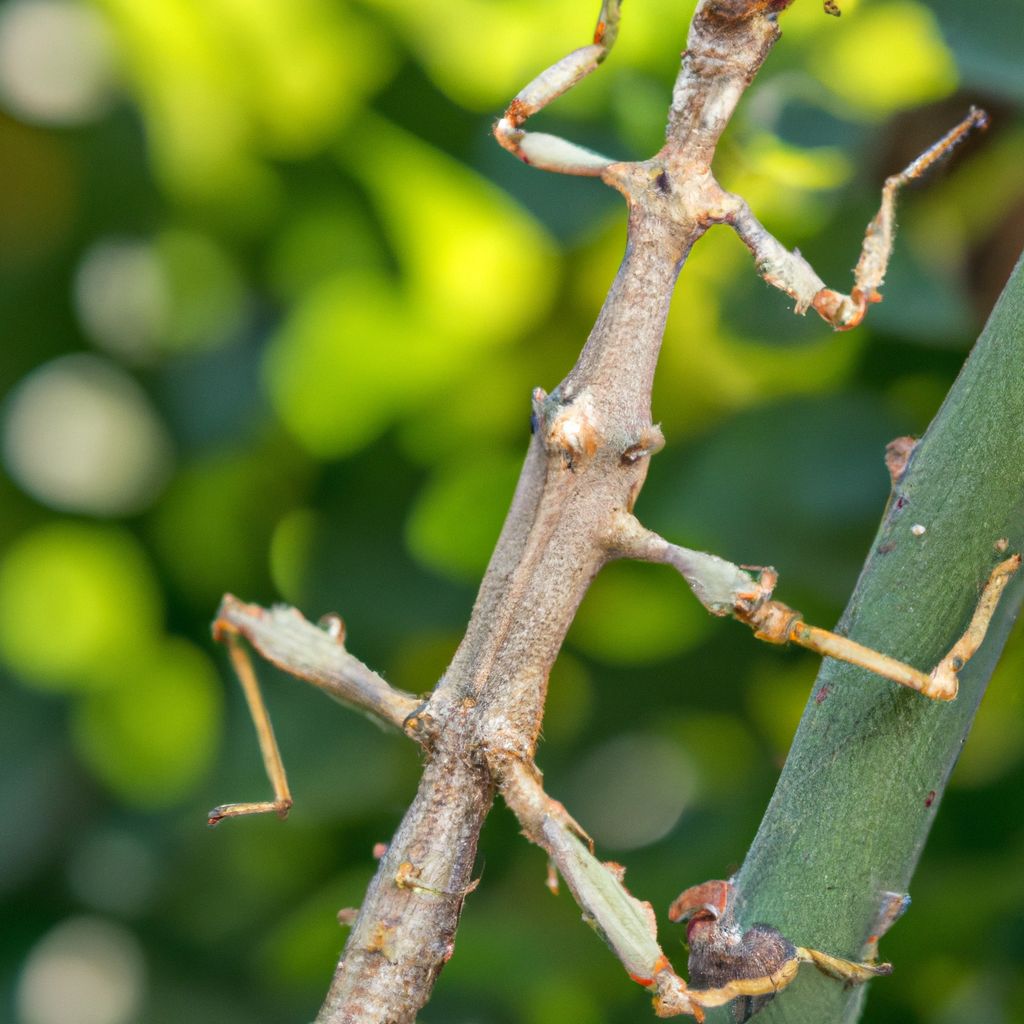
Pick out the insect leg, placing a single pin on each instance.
(282, 801)
(548, 152)
(777, 623)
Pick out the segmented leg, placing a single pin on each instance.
(264, 732)
(728, 963)
(844, 311)
(725, 588)
(779, 624)
(791, 273)
(548, 152)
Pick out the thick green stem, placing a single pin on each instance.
(870, 760)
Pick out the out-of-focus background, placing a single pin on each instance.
(272, 303)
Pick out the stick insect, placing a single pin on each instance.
(728, 965)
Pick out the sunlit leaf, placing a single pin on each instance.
(346, 361)
(224, 84)
(318, 240)
(482, 53)
(213, 528)
(205, 289)
(360, 348)
(291, 549)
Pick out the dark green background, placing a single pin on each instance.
(309, 296)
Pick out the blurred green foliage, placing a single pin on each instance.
(272, 306)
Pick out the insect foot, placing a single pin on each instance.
(747, 968)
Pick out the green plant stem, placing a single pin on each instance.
(870, 760)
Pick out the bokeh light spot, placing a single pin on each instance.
(121, 295)
(115, 871)
(632, 789)
(249, 490)
(291, 550)
(81, 436)
(848, 62)
(139, 298)
(474, 494)
(476, 265)
(76, 601)
(85, 971)
(342, 362)
(207, 294)
(636, 615)
(56, 62)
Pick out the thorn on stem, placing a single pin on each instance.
(897, 455)
(334, 626)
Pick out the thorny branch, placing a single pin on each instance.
(571, 513)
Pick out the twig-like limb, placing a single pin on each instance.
(282, 801)
(718, 584)
(791, 273)
(779, 624)
(548, 152)
(726, 963)
(287, 640)
(724, 588)
(944, 675)
(625, 923)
